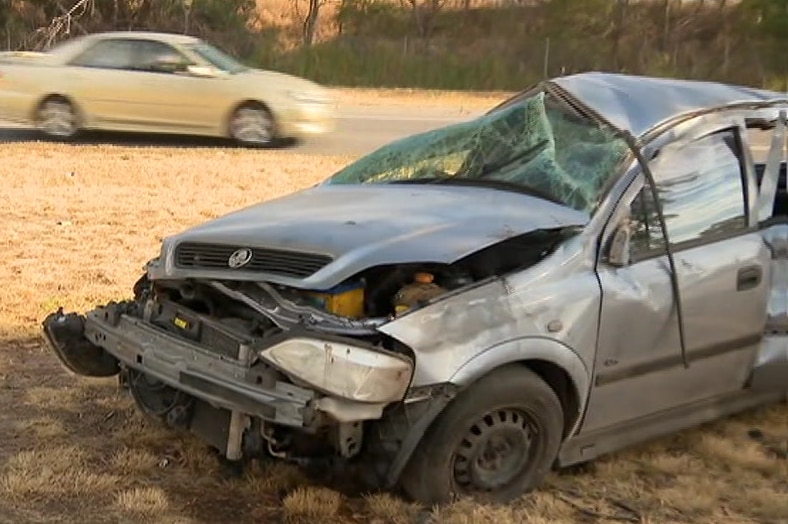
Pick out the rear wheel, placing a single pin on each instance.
(253, 125)
(496, 441)
(57, 118)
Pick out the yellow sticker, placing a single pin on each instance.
(180, 323)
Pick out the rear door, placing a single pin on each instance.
(102, 81)
(722, 265)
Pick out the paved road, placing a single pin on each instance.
(363, 129)
(360, 129)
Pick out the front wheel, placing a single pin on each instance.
(253, 125)
(496, 441)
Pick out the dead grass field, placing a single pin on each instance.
(470, 100)
(78, 223)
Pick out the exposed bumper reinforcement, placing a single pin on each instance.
(193, 369)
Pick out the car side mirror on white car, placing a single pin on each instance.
(202, 71)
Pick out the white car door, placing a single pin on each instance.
(173, 97)
(101, 82)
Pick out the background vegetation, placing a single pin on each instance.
(452, 44)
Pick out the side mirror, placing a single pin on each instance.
(201, 71)
(618, 254)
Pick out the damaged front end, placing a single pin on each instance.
(255, 368)
(235, 365)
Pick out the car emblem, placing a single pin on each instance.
(240, 258)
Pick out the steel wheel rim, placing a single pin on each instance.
(495, 451)
(252, 126)
(57, 119)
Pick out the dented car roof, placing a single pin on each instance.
(638, 104)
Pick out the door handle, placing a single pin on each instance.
(748, 278)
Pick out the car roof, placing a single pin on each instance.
(638, 104)
(170, 38)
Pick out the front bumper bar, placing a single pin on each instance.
(194, 369)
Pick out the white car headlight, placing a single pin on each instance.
(343, 370)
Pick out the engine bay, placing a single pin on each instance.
(356, 307)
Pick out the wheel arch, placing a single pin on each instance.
(56, 95)
(555, 363)
(561, 383)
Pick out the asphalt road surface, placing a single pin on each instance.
(360, 130)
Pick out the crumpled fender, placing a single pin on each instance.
(494, 357)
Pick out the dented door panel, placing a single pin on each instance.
(639, 368)
(723, 273)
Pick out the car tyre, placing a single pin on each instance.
(495, 442)
(253, 125)
(57, 118)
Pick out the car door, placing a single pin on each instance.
(722, 268)
(102, 81)
(171, 96)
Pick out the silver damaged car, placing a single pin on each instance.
(600, 260)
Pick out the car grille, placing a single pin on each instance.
(215, 256)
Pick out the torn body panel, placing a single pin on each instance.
(451, 333)
(770, 369)
(771, 365)
(546, 313)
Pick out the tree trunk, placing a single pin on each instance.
(618, 31)
(666, 28)
(424, 15)
(310, 22)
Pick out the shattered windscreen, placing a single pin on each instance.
(534, 145)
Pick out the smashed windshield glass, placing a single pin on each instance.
(217, 58)
(533, 144)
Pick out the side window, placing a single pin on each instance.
(158, 57)
(107, 54)
(701, 188)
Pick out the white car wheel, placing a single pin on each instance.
(57, 118)
(253, 126)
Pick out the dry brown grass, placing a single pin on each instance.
(78, 222)
(466, 100)
(310, 503)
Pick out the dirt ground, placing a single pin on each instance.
(78, 223)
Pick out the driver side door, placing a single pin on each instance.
(172, 97)
(722, 267)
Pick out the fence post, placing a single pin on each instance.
(546, 69)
